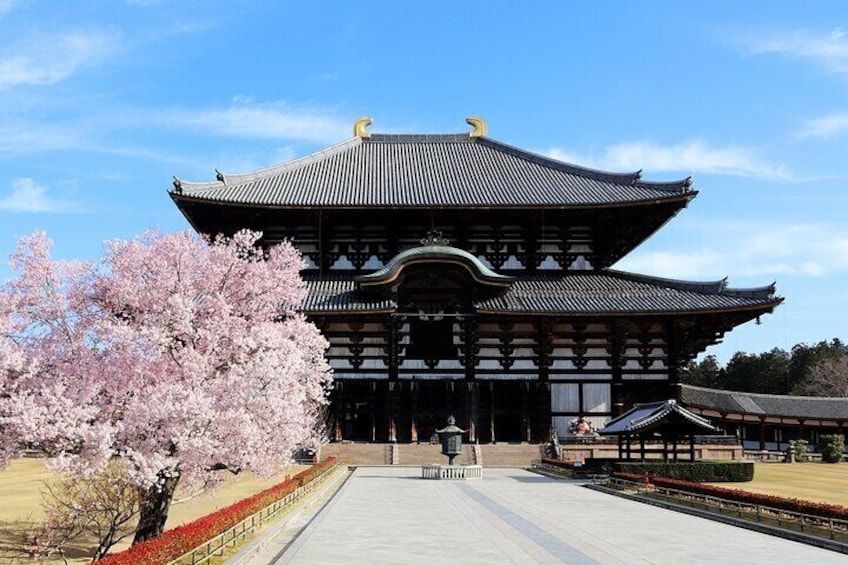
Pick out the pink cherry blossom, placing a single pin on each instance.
(183, 357)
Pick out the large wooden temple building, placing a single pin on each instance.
(455, 274)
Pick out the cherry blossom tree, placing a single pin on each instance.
(181, 357)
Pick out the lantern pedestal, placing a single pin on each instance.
(451, 437)
(451, 472)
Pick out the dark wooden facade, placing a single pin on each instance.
(495, 304)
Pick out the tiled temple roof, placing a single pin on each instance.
(434, 254)
(734, 402)
(446, 171)
(577, 293)
(645, 417)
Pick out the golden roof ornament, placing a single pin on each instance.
(479, 125)
(360, 125)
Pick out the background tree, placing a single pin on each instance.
(810, 359)
(766, 372)
(707, 373)
(826, 377)
(182, 358)
(103, 507)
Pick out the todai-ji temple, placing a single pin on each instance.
(457, 275)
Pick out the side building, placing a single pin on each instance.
(455, 274)
(768, 422)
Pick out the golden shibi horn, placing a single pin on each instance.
(360, 125)
(479, 125)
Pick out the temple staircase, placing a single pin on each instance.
(488, 455)
(510, 454)
(358, 453)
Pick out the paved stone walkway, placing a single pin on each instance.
(387, 515)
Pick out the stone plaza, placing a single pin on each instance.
(385, 515)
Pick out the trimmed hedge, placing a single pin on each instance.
(792, 504)
(832, 448)
(695, 471)
(182, 539)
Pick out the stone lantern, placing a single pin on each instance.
(451, 437)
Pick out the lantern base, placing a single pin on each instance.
(451, 472)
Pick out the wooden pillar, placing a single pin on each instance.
(642, 447)
(413, 417)
(492, 412)
(762, 434)
(392, 392)
(372, 410)
(473, 406)
(338, 411)
(525, 410)
(692, 446)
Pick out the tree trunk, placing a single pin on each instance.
(155, 503)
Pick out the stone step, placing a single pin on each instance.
(419, 454)
(357, 453)
(510, 455)
(491, 455)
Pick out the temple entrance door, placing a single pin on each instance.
(508, 427)
(507, 411)
(362, 424)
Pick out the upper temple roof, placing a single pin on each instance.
(444, 171)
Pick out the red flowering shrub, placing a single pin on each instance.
(182, 539)
(780, 502)
(635, 477)
(562, 463)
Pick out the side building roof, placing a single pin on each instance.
(649, 416)
(430, 171)
(762, 405)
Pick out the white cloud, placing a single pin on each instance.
(28, 196)
(48, 59)
(829, 50)
(24, 136)
(830, 126)
(274, 120)
(758, 249)
(690, 157)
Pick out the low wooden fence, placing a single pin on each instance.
(832, 528)
(232, 537)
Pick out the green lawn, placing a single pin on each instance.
(822, 482)
(21, 484)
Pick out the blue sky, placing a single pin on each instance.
(101, 102)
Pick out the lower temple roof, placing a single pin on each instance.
(605, 292)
